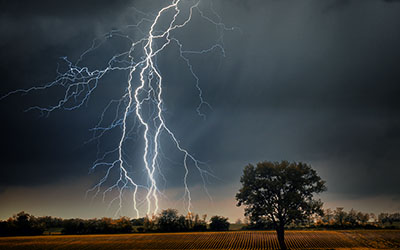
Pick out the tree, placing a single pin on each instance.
(340, 216)
(123, 225)
(281, 193)
(362, 218)
(199, 224)
(328, 215)
(25, 224)
(351, 218)
(219, 223)
(169, 221)
(388, 218)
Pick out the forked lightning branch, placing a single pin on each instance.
(142, 100)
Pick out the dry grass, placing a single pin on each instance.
(357, 239)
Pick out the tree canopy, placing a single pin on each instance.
(280, 193)
(219, 223)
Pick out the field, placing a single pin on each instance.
(355, 239)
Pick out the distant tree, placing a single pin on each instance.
(50, 222)
(219, 223)
(395, 217)
(362, 218)
(150, 224)
(123, 225)
(25, 224)
(74, 226)
(384, 218)
(340, 216)
(169, 221)
(328, 216)
(4, 228)
(199, 224)
(103, 225)
(137, 222)
(351, 218)
(280, 192)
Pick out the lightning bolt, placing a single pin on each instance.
(144, 92)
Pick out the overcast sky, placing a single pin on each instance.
(312, 81)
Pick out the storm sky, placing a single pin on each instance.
(312, 81)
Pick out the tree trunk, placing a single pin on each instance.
(281, 237)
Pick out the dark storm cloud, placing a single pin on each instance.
(336, 5)
(34, 36)
(59, 9)
(340, 4)
(321, 91)
(298, 83)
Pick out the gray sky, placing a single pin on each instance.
(313, 81)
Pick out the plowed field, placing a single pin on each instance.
(355, 239)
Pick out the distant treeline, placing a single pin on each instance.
(339, 219)
(170, 221)
(167, 221)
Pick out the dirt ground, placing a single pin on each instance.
(351, 239)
